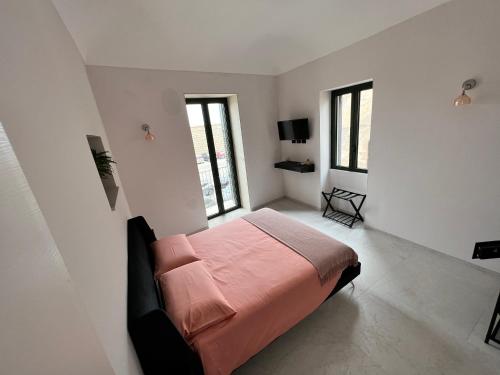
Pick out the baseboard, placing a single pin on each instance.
(437, 252)
(303, 204)
(258, 207)
(198, 230)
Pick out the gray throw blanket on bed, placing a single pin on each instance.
(326, 254)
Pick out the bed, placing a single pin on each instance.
(160, 347)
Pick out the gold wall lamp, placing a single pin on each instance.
(463, 98)
(148, 136)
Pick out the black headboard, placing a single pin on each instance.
(142, 295)
(159, 346)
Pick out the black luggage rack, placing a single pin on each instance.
(490, 250)
(342, 217)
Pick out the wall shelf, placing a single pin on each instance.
(295, 166)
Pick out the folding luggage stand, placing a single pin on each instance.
(341, 216)
(490, 250)
(493, 330)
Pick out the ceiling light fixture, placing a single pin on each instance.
(149, 136)
(463, 98)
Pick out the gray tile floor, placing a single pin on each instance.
(412, 311)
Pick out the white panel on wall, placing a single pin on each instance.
(160, 178)
(433, 169)
(44, 327)
(47, 109)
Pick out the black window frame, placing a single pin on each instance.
(204, 102)
(355, 91)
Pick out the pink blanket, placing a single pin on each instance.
(325, 253)
(271, 287)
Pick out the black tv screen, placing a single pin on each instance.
(293, 129)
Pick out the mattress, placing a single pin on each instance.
(270, 286)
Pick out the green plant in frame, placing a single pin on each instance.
(103, 162)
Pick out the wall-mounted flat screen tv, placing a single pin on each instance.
(291, 130)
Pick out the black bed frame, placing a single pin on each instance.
(159, 346)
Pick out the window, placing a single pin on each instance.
(212, 139)
(351, 123)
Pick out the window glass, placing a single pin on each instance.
(211, 133)
(343, 129)
(351, 127)
(220, 132)
(197, 126)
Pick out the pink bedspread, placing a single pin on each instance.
(270, 286)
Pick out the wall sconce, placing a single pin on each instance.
(149, 136)
(463, 98)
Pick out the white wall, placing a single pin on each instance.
(47, 109)
(161, 178)
(38, 336)
(433, 169)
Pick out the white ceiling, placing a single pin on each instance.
(233, 36)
